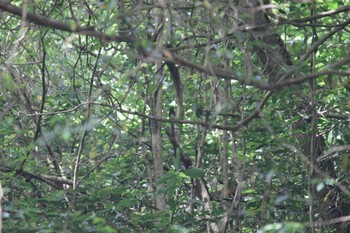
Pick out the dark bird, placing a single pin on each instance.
(172, 132)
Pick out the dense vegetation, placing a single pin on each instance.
(174, 116)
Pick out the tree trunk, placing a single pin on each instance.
(155, 104)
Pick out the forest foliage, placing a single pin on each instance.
(174, 116)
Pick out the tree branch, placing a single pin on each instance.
(54, 181)
(328, 154)
(88, 31)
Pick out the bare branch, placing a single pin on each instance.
(327, 154)
(332, 221)
(89, 31)
(54, 181)
(304, 158)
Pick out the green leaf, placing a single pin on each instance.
(125, 203)
(98, 220)
(12, 136)
(195, 172)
